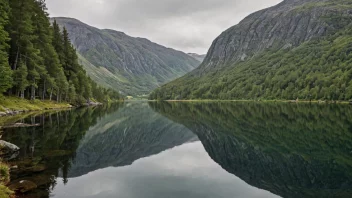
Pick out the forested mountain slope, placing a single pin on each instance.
(38, 61)
(134, 66)
(296, 49)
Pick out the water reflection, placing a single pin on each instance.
(48, 150)
(133, 132)
(188, 150)
(291, 150)
(183, 171)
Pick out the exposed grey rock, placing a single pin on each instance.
(285, 25)
(6, 146)
(8, 151)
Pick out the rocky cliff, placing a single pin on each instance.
(296, 49)
(285, 25)
(132, 65)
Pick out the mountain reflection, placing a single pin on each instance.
(288, 149)
(133, 132)
(48, 150)
(74, 143)
(291, 150)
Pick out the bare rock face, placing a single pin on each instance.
(128, 64)
(285, 25)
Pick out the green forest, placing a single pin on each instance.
(38, 60)
(320, 69)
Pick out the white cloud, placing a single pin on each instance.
(186, 25)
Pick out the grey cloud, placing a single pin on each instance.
(187, 25)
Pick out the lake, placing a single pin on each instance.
(186, 150)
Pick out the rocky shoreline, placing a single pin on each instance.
(9, 112)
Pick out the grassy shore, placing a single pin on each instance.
(18, 104)
(4, 178)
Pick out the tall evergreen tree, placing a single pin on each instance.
(5, 71)
(20, 79)
(38, 60)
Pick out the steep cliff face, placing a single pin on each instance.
(285, 25)
(134, 66)
(296, 49)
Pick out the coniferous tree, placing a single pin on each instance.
(20, 79)
(5, 71)
(38, 60)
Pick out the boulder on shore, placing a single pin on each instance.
(8, 150)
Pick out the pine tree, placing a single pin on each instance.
(38, 59)
(22, 41)
(20, 79)
(21, 30)
(57, 41)
(51, 65)
(5, 71)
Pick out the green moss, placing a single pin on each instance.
(4, 178)
(5, 192)
(4, 173)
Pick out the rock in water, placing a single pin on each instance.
(6, 146)
(8, 151)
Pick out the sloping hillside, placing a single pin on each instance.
(296, 49)
(134, 66)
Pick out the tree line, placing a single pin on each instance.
(317, 70)
(38, 60)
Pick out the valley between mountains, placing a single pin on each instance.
(133, 66)
(298, 49)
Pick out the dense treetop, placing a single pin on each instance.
(37, 59)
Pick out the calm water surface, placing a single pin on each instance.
(188, 150)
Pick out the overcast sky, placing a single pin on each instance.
(187, 25)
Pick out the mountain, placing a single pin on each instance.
(290, 150)
(199, 57)
(134, 66)
(296, 49)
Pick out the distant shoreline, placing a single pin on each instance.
(260, 101)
